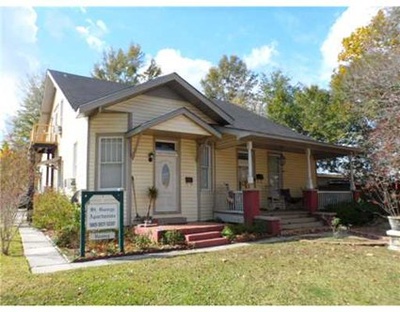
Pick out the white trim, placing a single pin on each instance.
(99, 161)
(310, 185)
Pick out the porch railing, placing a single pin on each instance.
(229, 201)
(44, 134)
(326, 198)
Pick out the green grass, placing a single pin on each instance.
(292, 273)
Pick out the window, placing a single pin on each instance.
(165, 146)
(205, 167)
(111, 162)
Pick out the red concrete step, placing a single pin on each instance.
(209, 242)
(202, 236)
(200, 229)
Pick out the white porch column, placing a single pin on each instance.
(352, 185)
(250, 179)
(309, 184)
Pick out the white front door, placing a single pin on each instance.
(166, 181)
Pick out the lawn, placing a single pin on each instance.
(291, 273)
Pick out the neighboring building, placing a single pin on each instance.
(97, 135)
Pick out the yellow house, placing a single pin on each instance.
(199, 153)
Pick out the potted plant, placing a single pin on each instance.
(152, 194)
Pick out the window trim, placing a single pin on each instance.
(208, 167)
(99, 163)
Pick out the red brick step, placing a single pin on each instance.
(202, 236)
(209, 242)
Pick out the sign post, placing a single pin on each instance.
(102, 210)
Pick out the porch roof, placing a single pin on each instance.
(248, 126)
(169, 116)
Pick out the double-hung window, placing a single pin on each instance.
(205, 167)
(111, 162)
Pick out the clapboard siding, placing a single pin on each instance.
(105, 123)
(145, 108)
(226, 171)
(181, 124)
(189, 202)
(295, 173)
(142, 172)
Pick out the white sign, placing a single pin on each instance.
(102, 213)
(101, 235)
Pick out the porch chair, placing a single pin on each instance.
(291, 202)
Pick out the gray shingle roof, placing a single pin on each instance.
(80, 90)
(249, 121)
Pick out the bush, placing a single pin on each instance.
(68, 236)
(228, 232)
(173, 237)
(142, 241)
(54, 211)
(352, 213)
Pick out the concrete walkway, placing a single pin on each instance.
(44, 257)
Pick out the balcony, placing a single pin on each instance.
(44, 137)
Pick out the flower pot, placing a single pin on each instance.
(394, 222)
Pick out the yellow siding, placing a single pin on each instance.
(107, 124)
(295, 173)
(189, 201)
(261, 168)
(143, 172)
(146, 108)
(181, 124)
(226, 168)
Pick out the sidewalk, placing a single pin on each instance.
(43, 256)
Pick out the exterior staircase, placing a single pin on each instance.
(205, 236)
(296, 220)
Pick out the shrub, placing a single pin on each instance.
(68, 236)
(173, 237)
(142, 241)
(228, 232)
(352, 213)
(54, 211)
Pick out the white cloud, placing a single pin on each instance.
(19, 37)
(260, 57)
(192, 70)
(344, 25)
(93, 34)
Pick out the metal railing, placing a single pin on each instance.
(44, 134)
(326, 198)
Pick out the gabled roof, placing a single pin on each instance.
(178, 112)
(80, 90)
(88, 94)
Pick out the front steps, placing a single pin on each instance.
(294, 220)
(205, 239)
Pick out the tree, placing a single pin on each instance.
(370, 82)
(15, 169)
(125, 67)
(231, 81)
(29, 112)
(278, 94)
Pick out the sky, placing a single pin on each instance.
(302, 41)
